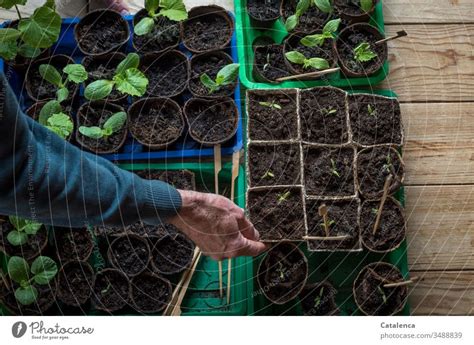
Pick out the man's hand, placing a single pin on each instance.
(217, 226)
(117, 5)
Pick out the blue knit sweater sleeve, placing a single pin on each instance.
(44, 178)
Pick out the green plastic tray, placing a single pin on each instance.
(246, 35)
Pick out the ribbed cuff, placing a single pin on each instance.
(161, 202)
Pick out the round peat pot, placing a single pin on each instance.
(373, 165)
(35, 246)
(96, 113)
(156, 122)
(172, 254)
(351, 12)
(150, 293)
(179, 179)
(392, 227)
(111, 290)
(75, 284)
(130, 254)
(350, 38)
(165, 34)
(282, 274)
(269, 63)
(319, 299)
(211, 121)
(210, 63)
(207, 28)
(168, 73)
(38, 89)
(370, 295)
(313, 19)
(73, 244)
(101, 32)
(263, 14)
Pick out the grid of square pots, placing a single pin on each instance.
(311, 138)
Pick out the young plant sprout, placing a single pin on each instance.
(111, 126)
(388, 166)
(328, 111)
(265, 67)
(327, 223)
(366, 5)
(374, 211)
(372, 111)
(281, 270)
(382, 293)
(329, 32)
(283, 197)
(23, 229)
(52, 117)
(42, 271)
(271, 104)
(334, 168)
(268, 174)
(226, 76)
(174, 10)
(299, 59)
(128, 79)
(104, 291)
(363, 53)
(75, 73)
(317, 300)
(302, 6)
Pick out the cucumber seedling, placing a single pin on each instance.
(364, 53)
(329, 32)
(226, 76)
(174, 10)
(55, 119)
(114, 124)
(271, 104)
(299, 59)
(319, 297)
(334, 168)
(283, 197)
(23, 229)
(75, 73)
(302, 6)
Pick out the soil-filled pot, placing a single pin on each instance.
(108, 233)
(375, 120)
(351, 38)
(101, 32)
(313, 19)
(351, 11)
(211, 121)
(283, 272)
(156, 122)
(372, 297)
(130, 254)
(323, 116)
(277, 213)
(180, 179)
(111, 290)
(210, 63)
(272, 115)
(263, 13)
(39, 89)
(76, 283)
(165, 34)
(35, 110)
(207, 28)
(73, 244)
(168, 73)
(269, 63)
(319, 299)
(342, 224)
(150, 293)
(171, 254)
(96, 113)
(271, 164)
(328, 171)
(373, 166)
(391, 230)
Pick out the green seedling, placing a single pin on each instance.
(302, 6)
(375, 211)
(281, 270)
(366, 5)
(128, 79)
(388, 166)
(174, 10)
(42, 271)
(329, 32)
(334, 168)
(114, 124)
(328, 111)
(75, 73)
(23, 229)
(268, 174)
(52, 117)
(299, 59)
(271, 104)
(265, 67)
(329, 223)
(364, 53)
(372, 111)
(283, 197)
(226, 76)
(318, 299)
(104, 291)
(382, 293)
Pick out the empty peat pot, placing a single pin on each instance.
(263, 14)
(111, 290)
(319, 299)
(171, 254)
(352, 12)
(130, 254)
(150, 293)
(75, 283)
(73, 244)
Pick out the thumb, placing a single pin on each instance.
(250, 248)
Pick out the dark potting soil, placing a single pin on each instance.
(167, 75)
(370, 290)
(30, 249)
(318, 299)
(323, 116)
(277, 164)
(103, 69)
(150, 293)
(210, 64)
(277, 214)
(44, 90)
(45, 300)
(263, 10)
(328, 171)
(270, 123)
(172, 254)
(180, 179)
(350, 7)
(375, 120)
(373, 167)
(165, 34)
(325, 51)
(206, 32)
(312, 20)
(75, 283)
(111, 290)
(343, 220)
(269, 62)
(73, 244)
(130, 254)
(391, 230)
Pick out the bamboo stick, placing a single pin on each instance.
(386, 188)
(402, 283)
(309, 74)
(235, 174)
(217, 169)
(399, 34)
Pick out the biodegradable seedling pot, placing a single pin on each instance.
(73, 244)
(165, 34)
(109, 233)
(319, 299)
(96, 113)
(171, 254)
(375, 120)
(111, 290)
(391, 230)
(180, 179)
(329, 171)
(263, 14)
(282, 274)
(156, 122)
(324, 116)
(370, 295)
(101, 32)
(150, 293)
(130, 254)
(207, 28)
(210, 63)
(75, 284)
(168, 73)
(349, 39)
(272, 115)
(269, 63)
(211, 121)
(351, 11)
(313, 19)
(373, 165)
(277, 212)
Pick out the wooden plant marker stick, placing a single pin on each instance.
(326, 238)
(323, 212)
(309, 74)
(235, 174)
(403, 283)
(217, 169)
(386, 188)
(399, 34)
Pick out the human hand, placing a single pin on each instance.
(217, 226)
(117, 5)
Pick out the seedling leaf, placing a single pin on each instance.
(207, 81)
(26, 295)
(291, 22)
(271, 104)
(18, 269)
(60, 124)
(152, 5)
(7, 4)
(51, 74)
(75, 73)
(313, 40)
(91, 132)
(284, 196)
(49, 109)
(174, 10)
(332, 26)
(316, 63)
(324, 5)
(366, 5)
(295, 57)
(131, 61)
(98, 89)
(363, 53)
(42, 29)
(17, 238)
(133, 82)
(9, 35)
(144, 26)
(227, 74)
(8, 50)
(334, 168)
(44, 270)
(62, 94)
(28, 51)
(115, 122)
